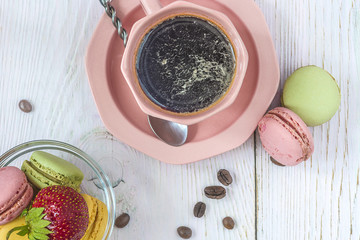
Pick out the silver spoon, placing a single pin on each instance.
(172, 133)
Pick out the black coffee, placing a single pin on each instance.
(185, 64)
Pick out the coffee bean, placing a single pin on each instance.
(276, 162)
(228, 223)
(25, 106)
(215, 192)
(224, 177)
(199, 209)
(122, 220)
(184, 232)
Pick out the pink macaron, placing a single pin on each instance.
(16, 193)
(285, 136)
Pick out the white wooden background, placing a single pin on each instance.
(42, 48)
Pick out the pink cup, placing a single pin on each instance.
(155, 15)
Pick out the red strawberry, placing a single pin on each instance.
(62, 210)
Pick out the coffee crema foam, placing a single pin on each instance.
(185, 64)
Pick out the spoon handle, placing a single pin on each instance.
(111, 12)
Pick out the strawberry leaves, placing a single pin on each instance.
(35, 226)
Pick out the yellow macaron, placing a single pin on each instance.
(98, 216)
(4, 229)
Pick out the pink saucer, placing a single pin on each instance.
(217, 134)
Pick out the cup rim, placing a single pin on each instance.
(45, 144)
(141, 28)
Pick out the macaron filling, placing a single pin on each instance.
(92, 207)
(97, 218)
(293, 127)
(42, 177)
(98, 227)
(15, 193)
(53, 174)
(16, 208)
(15, 198)
(38, 170)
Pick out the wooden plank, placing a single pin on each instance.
(42, 59)
(160, 197)
(319, 198)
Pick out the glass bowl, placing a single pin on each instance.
(96, 183)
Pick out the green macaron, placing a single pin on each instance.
(313, 94)
(44, 169)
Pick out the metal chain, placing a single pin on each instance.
(111, 12)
